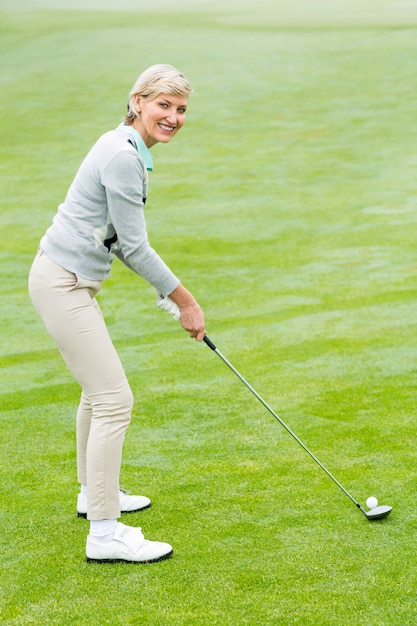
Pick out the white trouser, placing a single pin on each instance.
(69, 310)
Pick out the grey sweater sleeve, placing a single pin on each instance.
(123, 180)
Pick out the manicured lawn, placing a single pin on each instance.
(288, 206)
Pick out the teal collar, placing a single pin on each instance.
(139, 145)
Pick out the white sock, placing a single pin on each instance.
(103, 529)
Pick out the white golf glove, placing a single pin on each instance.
(168, 305)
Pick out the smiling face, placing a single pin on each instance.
(161, 118)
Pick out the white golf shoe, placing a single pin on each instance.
(128, 544)
(128, 504)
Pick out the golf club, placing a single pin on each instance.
(378, 512)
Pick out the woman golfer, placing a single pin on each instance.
(101, 217)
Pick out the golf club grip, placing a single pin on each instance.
(209, 342)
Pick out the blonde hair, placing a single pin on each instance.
(155, 80)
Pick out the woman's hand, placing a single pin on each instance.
(192, 316)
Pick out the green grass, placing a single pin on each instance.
(288, 206)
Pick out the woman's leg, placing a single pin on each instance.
(83, 422)
(70, 313)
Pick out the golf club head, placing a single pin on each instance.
(378, 512)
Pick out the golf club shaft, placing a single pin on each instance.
(287, 428)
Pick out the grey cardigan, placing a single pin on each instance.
(103, 214)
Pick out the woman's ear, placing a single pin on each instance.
(137, 103)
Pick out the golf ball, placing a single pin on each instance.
(371, 502)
